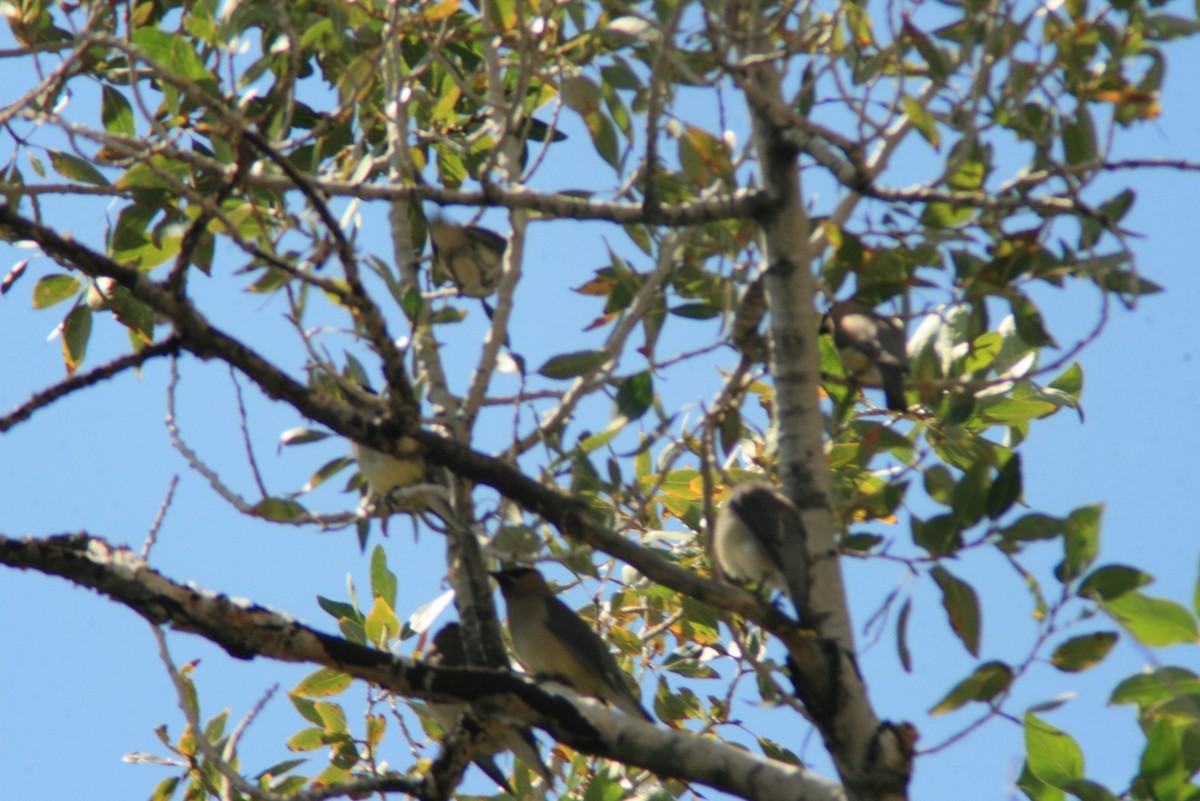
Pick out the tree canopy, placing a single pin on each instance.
(349, 206)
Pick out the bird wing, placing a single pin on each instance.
(487, 238)
(768, 528)
(585, 644)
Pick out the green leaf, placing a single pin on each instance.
(696, 311)
(54, 288)
(339, 609)
(570, 365)
(381, 625)
(902, 635)
(1070, 381)
(703, 157)
(962, 607)
(322, 683)
(1084, 652)
(353, 630)
(383, 581)
(1081, 543)
(939, 484)
(1032, 527)
(326, 472)
(1029, 322)
(1196, 591)
(1162, 766)
(280, 510)
(1006, 489)
(923, 121)
(77, 330)
(1112, 581)
(306, 740)
(332, 715)
(1154, 689)
(165, 789)
(939, 535)
(1079, 137)
(306, 708)
(635, 395)
(604, 137)
(1036, 789)
(77, 169)
(985, 683)
(947, 215)
(176, 54)
(1157, 622)
(1054, 757)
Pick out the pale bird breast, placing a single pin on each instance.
(384, 472)
(745, 560)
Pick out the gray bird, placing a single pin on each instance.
(472, 257)
(447, 651)
(759, 539)
(872, 348)
(554, 642)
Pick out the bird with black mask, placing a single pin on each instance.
(553, 642)
(872, 348)
(759, 540)
(471, 256)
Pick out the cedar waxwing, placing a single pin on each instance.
(385, 474)
(554, 642)
(759, 539)
(872, 348)
(472, 257)
(447, 651)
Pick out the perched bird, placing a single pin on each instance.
(384, 472)
(447, 651)
(872, 348)
(386, 475)
(552, 641)
(473, 257)
(759, 539)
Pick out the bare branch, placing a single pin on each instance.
(167, 347)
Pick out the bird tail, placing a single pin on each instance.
(893, 389)
(524, 748)
(627, 703)
(488, 765)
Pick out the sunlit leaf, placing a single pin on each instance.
(1054, 757)
(570, 365)
(1083, 652)
(55, 288)
(323, 683)
(984, 684)
(1157, 622)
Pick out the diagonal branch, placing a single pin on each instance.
(40, 400)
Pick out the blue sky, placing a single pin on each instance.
(80, 684)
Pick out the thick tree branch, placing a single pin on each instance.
(247, 631)
(869, 758)
(565, 512)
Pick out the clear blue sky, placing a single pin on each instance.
(80, 683)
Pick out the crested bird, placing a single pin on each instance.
(872, 348)
(554, 642)
(759, 539)
(472, 256)
(447, 651)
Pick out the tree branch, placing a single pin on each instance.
(247, 631)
